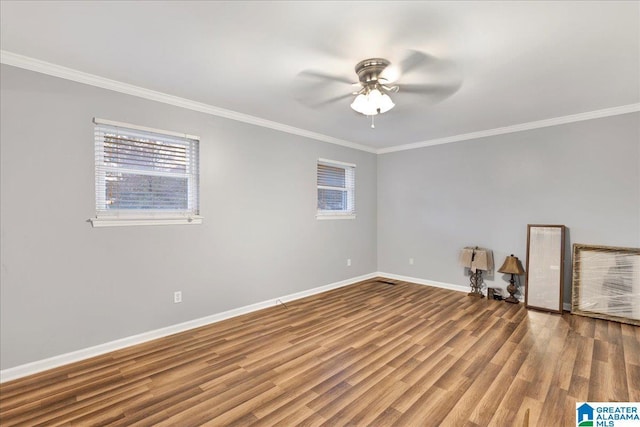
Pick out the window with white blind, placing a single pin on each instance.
(336, 190)
(145, 176)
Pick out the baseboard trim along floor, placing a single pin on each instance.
(425, 282)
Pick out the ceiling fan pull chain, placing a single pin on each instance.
(373, 125)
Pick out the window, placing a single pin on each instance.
(145, 176)
(336, 190)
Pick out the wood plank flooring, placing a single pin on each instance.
(367, 354)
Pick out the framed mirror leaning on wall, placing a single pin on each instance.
(545, 267)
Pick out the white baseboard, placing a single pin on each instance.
(418, 281)
(566, 306)
(78, 355)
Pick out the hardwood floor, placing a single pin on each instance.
(367, 354)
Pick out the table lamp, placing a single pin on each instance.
(512, 266)
(476, 260)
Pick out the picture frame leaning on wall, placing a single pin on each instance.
(606, 283)
(545, 267)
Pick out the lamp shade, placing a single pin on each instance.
(475, 258)
(511, 265)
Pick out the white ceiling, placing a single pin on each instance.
(517, 62)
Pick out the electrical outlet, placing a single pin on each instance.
(348, 262)
(177, 297)
(410, 261)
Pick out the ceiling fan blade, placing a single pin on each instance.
(431, 89)
(316, 88)
(331, 100)
(314, 98)
(414, 60)
(319, 75)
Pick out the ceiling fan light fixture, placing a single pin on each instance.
(372, 102)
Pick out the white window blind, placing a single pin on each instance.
(336, 189)
(145, 174)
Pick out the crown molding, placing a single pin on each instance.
(32, 64)
(607, 112)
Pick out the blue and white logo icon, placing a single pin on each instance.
(608, 414)
(585, 415)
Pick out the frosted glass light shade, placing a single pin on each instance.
(360, 103)
(375, 96)
(372, 103)
(386, 103)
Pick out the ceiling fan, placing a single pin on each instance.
(378, 78)
(372, 98)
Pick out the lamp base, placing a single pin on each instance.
(475, 280)
(512, 291)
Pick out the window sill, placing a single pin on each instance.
(346, 216)
(125, 222)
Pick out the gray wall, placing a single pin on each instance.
(436, 200)
(66, 286)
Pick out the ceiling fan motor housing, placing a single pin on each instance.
(369, 70)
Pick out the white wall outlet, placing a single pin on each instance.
(177, 297)
(348, 262)
(410, 261)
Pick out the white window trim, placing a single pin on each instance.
(328, 214)
(129, 221)
(322, 217)
(148, 217)
(337, 163)
(144, 128)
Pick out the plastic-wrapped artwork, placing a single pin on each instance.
(606, 283)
